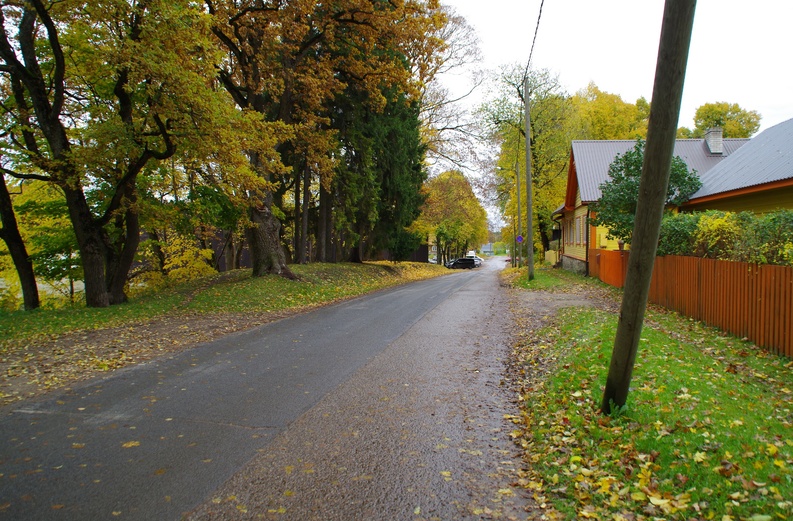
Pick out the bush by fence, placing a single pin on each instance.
(741, 237)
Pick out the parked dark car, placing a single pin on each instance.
(463, 263)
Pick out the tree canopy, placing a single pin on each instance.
(453, 215)
(212, 128)
(734, 121)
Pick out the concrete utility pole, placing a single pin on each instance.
(664, 114)
(529, 207)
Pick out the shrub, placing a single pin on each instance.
(770, 238)
(717, 235)
(744, 236)
(677, 234)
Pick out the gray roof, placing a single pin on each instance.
(592, 160)
(766, 158)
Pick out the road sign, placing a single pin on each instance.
(519, 238)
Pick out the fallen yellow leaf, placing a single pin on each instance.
(657, 501)
(130, 444)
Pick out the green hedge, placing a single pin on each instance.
(744, 236)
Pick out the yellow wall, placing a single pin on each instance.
(760, 203)
(575, 232)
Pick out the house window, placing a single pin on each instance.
(578, 230)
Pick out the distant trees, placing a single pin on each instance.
(734, 121)
(453, 215)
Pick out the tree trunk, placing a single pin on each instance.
(118, 269)
(664, 114)
(304, 221)
(16, 247)
(296, 241)
(323, 225)
(264, 233)
(264, 242)
(92, 248)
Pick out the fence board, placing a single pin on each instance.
(747, 300)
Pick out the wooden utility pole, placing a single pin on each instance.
(670, 73)
(529, 207)
(517, 190)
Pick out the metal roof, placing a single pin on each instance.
(592, 160)
(766, 158)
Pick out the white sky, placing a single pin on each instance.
(741, 51)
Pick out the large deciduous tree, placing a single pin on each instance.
(92, 93)
(288, 61)
(734, 121)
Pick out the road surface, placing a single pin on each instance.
(384, 407)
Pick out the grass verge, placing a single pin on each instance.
(707, 432)
(222, 293)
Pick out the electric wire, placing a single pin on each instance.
(533, 41)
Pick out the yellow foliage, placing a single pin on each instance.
(716, 235)
(185, 261)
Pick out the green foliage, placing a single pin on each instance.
(767, 239)
(677, 234)
(744, 236)
(734, 121)
(717, 235)
(403, 244)
(616, 209)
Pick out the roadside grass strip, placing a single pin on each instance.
(227, 292)
(707, 432)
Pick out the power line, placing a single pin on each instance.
(534, 40)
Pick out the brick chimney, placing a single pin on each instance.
(715, 140)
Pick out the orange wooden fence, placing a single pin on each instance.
(747, 300)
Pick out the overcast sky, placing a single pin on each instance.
(740, 50)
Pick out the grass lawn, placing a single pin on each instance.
(707, 432)
(230, 292)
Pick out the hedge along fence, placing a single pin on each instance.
(753, 301)
(743, 237)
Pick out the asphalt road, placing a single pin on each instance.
(193, 434)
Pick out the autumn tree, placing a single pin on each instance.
(602, 115)
(90, 118)
(551, 130)
(616, 208)
(287, 62)
(453, 214)
(734, 121)
(448, 129)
